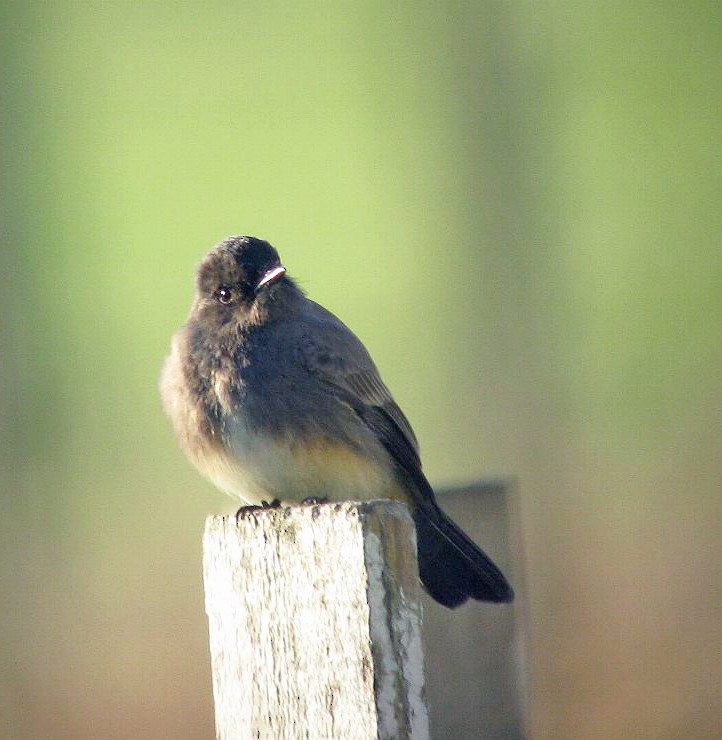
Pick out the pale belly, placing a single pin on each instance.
(260, 469)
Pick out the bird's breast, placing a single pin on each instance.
(255, 467)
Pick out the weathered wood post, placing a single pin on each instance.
(315, 623)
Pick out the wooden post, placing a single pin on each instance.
(315, 623)
(479, 674)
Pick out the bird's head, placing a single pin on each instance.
(238, 281)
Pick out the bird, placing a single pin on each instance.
(274, 399)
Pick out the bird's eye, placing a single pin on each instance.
(224, 295)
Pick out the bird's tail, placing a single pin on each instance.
(453, 568)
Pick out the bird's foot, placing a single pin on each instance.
(275, 504)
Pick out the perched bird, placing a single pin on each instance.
(274, 399)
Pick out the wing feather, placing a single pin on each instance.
(337, 357)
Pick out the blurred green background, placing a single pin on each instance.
(517, 206)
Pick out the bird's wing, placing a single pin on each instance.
(333, 354)
(451, 565)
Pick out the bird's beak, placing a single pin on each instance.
(272, 276)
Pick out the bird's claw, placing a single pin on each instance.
(275, 504)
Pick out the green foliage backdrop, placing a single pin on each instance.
(515, 205)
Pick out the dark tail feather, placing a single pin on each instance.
(452, 568)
